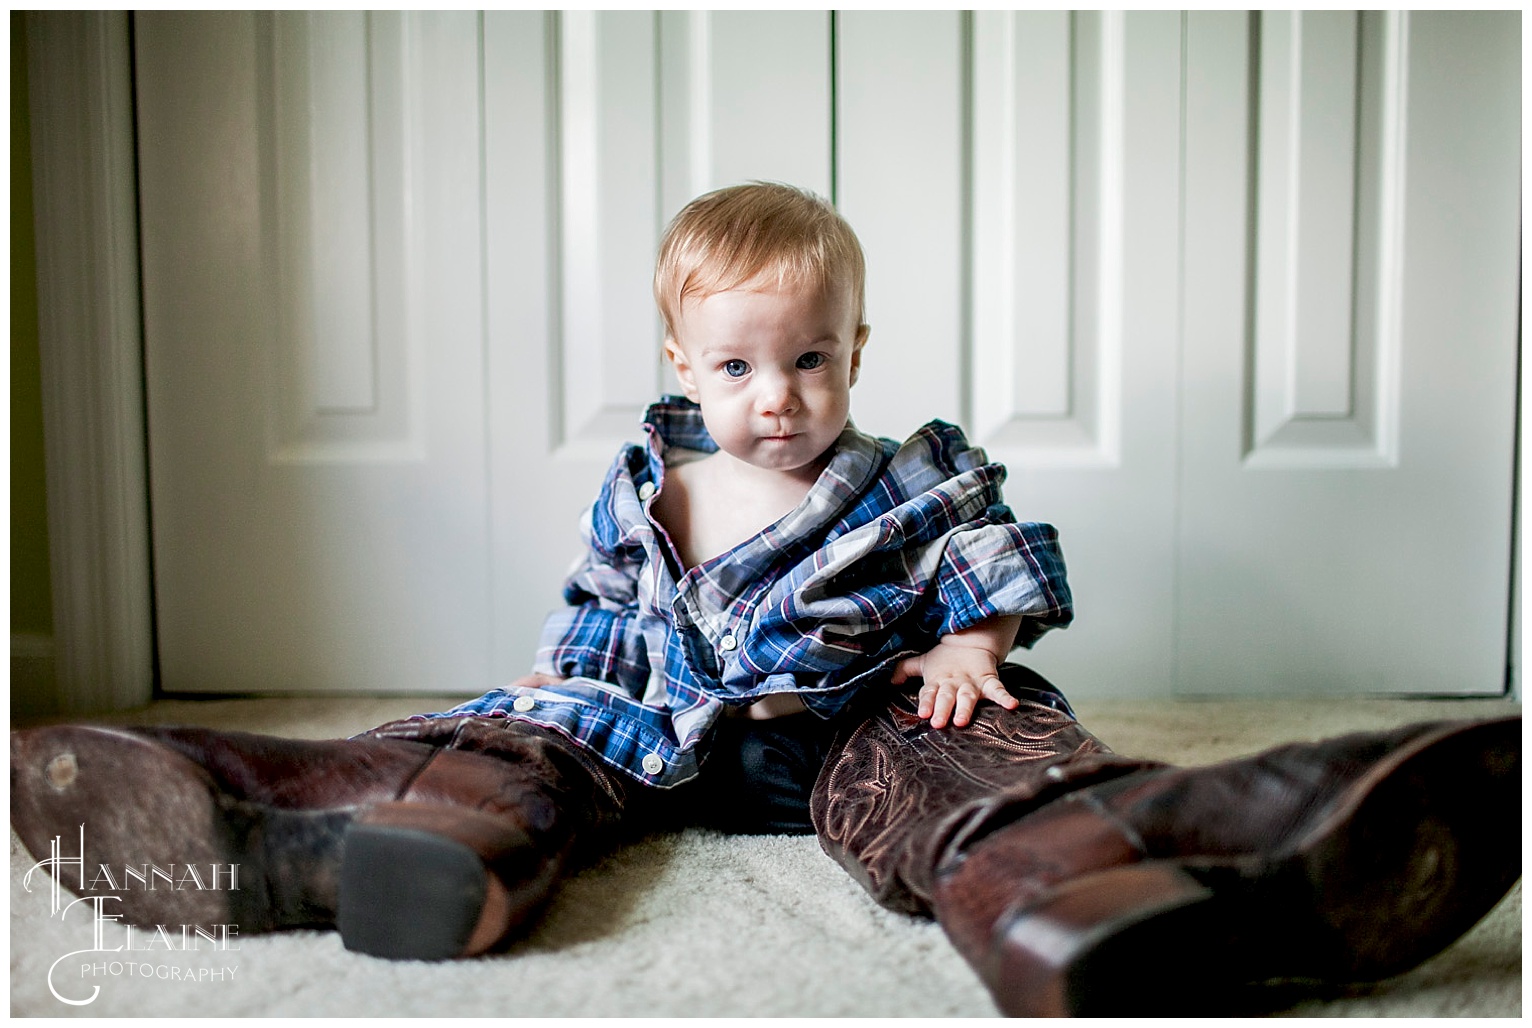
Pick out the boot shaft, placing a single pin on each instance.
(897, 797)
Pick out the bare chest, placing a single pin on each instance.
(707, 514)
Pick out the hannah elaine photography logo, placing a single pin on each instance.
(120, 950)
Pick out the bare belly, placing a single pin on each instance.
(776, 705)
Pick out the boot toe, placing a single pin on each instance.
(143, 820)
(1423, 847)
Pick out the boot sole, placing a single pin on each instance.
(1406, 861)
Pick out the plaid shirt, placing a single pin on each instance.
(895, 546)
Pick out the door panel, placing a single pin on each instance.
(744, 95)
(899, 154)
(998, 289)
(1351, 335)
(1074, 368)
(608, 203)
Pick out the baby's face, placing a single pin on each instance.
(772, 368)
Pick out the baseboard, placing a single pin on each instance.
(34, 684)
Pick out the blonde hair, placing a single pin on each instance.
(727, 237)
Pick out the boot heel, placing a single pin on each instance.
(415, 884)
(1137, 938)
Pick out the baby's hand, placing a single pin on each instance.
(957, 675)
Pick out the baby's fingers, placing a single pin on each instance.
(969, 694)
(995, 692)
(936, 703)
(955, 702)
(909, 667)
(967, 699)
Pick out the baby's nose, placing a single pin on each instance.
(776, 396)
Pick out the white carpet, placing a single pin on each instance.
(699, 923)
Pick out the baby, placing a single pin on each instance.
(783, 624)
(769, 349)
(759, 556)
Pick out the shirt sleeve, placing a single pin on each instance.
(942, 561)
(998, 567)
(992, 565)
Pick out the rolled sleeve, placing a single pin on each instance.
(995, 570)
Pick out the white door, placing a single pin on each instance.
(381, 385)
(313, 323)
(381, 389)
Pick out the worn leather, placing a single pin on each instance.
(296, 774)
(518, 771)
(1251, 805)
(545, 809)
(196, 798)
(520, 797)
(565, 801)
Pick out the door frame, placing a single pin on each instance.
(89, 332)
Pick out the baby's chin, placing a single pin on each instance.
(796, 456)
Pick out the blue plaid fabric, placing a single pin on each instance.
(895, 546)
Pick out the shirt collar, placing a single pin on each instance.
(675, 421)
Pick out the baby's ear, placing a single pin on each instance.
(677, 357)
(862, 332)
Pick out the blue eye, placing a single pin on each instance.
(810, 361)
(735, 368)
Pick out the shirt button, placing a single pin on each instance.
(727, 643)
(646, 490)
(653, 764)
(524, 704)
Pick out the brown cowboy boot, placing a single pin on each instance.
(1347, 860)
(411, 850)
